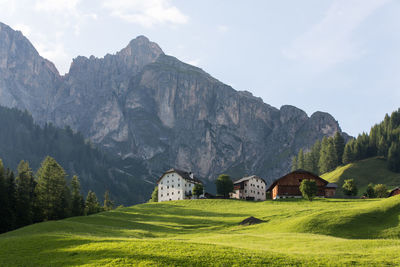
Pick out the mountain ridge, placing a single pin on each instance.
(141, 103)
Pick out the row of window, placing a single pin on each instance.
(171, 193)
(252, 191)
(172, 186)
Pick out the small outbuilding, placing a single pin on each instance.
(394, 192)
(288, 186)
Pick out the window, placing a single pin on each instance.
(167, 194)
(161, 188)
(172, 193)
(179, 184)
(179, 198)
(179, 192)
(168, 187)
(300, 180)
(161, 182)
(245, 191)
(190, 185)
(258, 193)
(258, 186)
(172, 186)
(167, 181)
(172, 181)
(161, 195)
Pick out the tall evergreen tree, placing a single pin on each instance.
(108, 203)
(77, 201)
(51, 190)
(4, 204)
(92, 204)
(327, 160)
(25, 194)
(348, 153)
(154, 195)
(300, 159)
(10, 186)
(316, 152)
(338, 143)
(294, 163)
(394, 157)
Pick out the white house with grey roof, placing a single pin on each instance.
(176, 185)
(249, 188)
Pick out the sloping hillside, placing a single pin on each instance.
(371, 170)
(22, 139)
(207, 232)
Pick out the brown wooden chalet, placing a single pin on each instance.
(289, 185)
(394, 192)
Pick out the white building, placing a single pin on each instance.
(250, 188)
(176, 185)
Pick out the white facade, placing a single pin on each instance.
(252, 187)
(172, 186)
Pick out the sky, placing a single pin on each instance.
(336, 56)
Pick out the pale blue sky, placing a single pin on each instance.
(338, 56)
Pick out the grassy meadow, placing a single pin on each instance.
(371, 170)
(333, 232)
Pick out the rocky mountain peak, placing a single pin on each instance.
(140, 103)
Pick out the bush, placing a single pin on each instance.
(224, 185)
(380, 190)
(349, 188)
(308, 189)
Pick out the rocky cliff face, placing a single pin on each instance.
(141, 103)
(27, 80)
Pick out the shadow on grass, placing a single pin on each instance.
(154, 221)
(67, 252)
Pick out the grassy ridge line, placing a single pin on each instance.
(372, 170)
(206, 232)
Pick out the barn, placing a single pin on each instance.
(288, 186)
(394, 192)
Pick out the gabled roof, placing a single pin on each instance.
(248, 178)
(183, 174)
(392, 192)
(300, 171)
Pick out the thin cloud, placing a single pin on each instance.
(222, 28)
(146, 12)
(330, 41)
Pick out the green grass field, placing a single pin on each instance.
(333, 232)
(372, 170)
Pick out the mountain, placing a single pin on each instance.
(372, 170)
(22, 139)
(143, 104)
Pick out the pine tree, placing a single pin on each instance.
(25, 194)
(4, 204)
(338, 142)
(154, 195)
(10, 184)
(348, 154)
(77, 202)
(300, 159)
(92, 204)
(51, 190)
(108, 203)
(394, 157)
(327, 160)
(294, 163)
(316, 152)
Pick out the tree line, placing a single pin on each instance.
(47, 195)
(383, 140)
